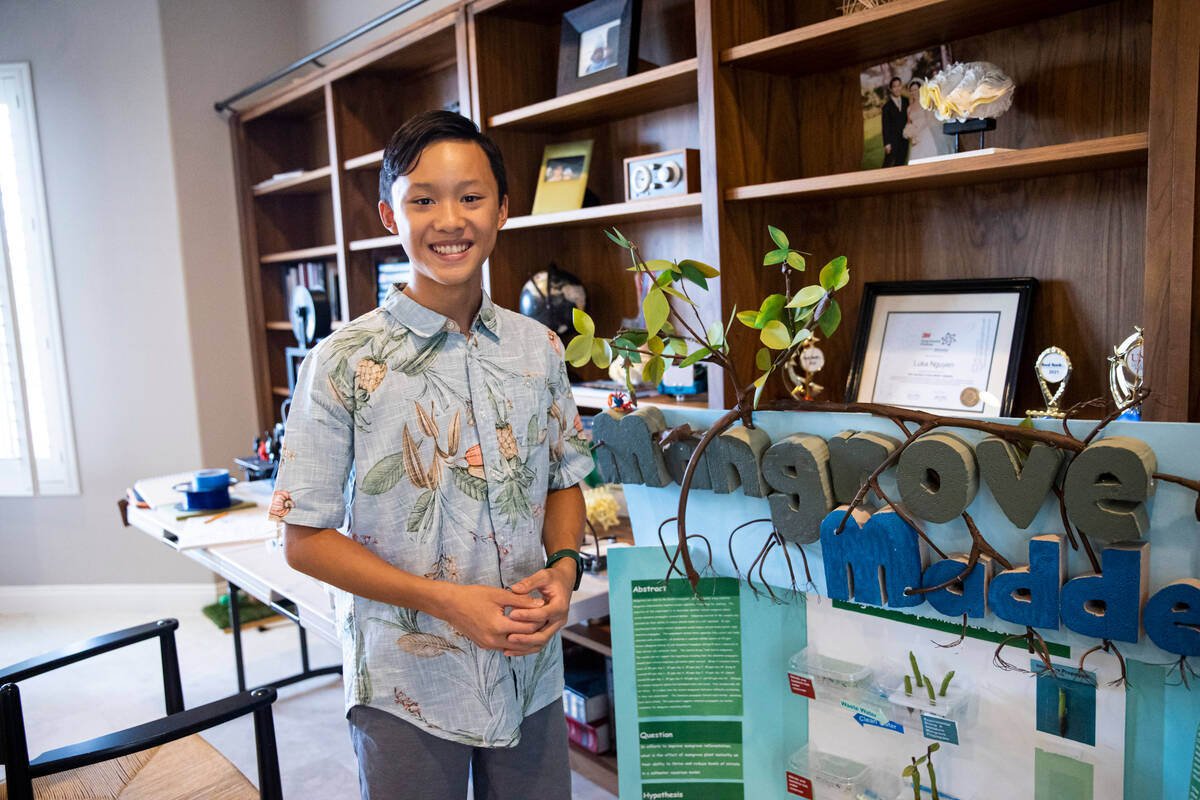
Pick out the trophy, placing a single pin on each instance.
(800, 368)
(1052, 366)
(1125, 373)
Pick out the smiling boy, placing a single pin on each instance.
(451, 423)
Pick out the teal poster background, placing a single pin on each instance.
(771, 728)
(1161, 715)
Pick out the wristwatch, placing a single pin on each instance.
(559, 555)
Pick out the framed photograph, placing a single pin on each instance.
(896, 130)
(946, 347)
(599, 44)
(562, 177)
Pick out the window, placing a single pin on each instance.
(37, 445)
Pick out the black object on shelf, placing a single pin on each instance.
(973, 125)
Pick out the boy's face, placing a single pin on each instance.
(447, 212)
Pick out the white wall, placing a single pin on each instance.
(143, 217)
(100, 96)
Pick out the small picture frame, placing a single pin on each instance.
(599, 44)
(562, 177)
(948, 347)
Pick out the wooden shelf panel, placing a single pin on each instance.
(665, 87)
(305, 254)
(903, 26)
(591, 397)
(1096, 154)
(590, 636)
(312, 181)
(280, 391)
(685, 205)
(375, 243)
(279, 325)
(366, 161)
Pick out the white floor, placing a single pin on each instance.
(124, 688)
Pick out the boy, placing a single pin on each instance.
(456, 421)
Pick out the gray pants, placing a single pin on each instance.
(399, 761)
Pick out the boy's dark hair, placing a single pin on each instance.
(405, 148)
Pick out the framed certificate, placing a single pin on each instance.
(946, 347)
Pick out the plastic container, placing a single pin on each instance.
(826, 679)
(952, 706)
(828, 777)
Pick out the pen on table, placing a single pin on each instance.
(215, 517)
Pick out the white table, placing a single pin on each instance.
(259, 569)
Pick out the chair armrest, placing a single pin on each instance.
(86, 649)
(151, 734)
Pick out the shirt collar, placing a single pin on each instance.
(426, 322)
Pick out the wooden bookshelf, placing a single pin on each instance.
(613, 213)
(369, 161)
(901, 26)
(664, 87)
(312, 181)
(303, 254)
(1110, 153)
(377, 243)
(599, 769)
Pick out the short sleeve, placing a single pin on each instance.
(318, 450)
(573, 461)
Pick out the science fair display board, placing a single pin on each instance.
(848, 687)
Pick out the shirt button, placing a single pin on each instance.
(450, 326)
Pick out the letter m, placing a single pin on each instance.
(626, 451)
(874, 563)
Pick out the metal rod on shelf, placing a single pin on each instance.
(311, 58)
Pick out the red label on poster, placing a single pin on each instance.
(799, 785)
(802, 686)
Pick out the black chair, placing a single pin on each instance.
(177, 730)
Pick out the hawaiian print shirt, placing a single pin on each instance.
(444, 445)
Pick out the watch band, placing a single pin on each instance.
(559, 555)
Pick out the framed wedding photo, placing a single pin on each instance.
(599, 44)
(947, 347)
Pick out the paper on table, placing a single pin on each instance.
(236, 527)
(158, 492)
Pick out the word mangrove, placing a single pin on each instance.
(805, 477)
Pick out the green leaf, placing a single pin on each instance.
(618, 237)
(748, 318)
(601, 353)
(654, 370)
(583, 323)
(806, 296)
(386, 473)
(795, 260)
(759, 385)
(775, 335)
(701, 267)
(420, 508)
(656, 309)
(692, 274)
(679, 346)
(664, 279)
(933, 748)
(908, 771)
(696, 355)
(716, 334)
(833, 273)
(778, 237)
(771, 306)
(655, 344)
(775, 257)
(635, 338)
(830, 320)
(661, 265)
(579, 351)
(800, 336)
(762, 359)
(473, 487)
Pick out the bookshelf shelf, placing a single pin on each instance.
(664, 87)
(365, 161)
(1097, 154)
(280, 391)
(656, 208)
(287, 256)
(279, 325)
(902, 26)
(313, 181)
(376, 243)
